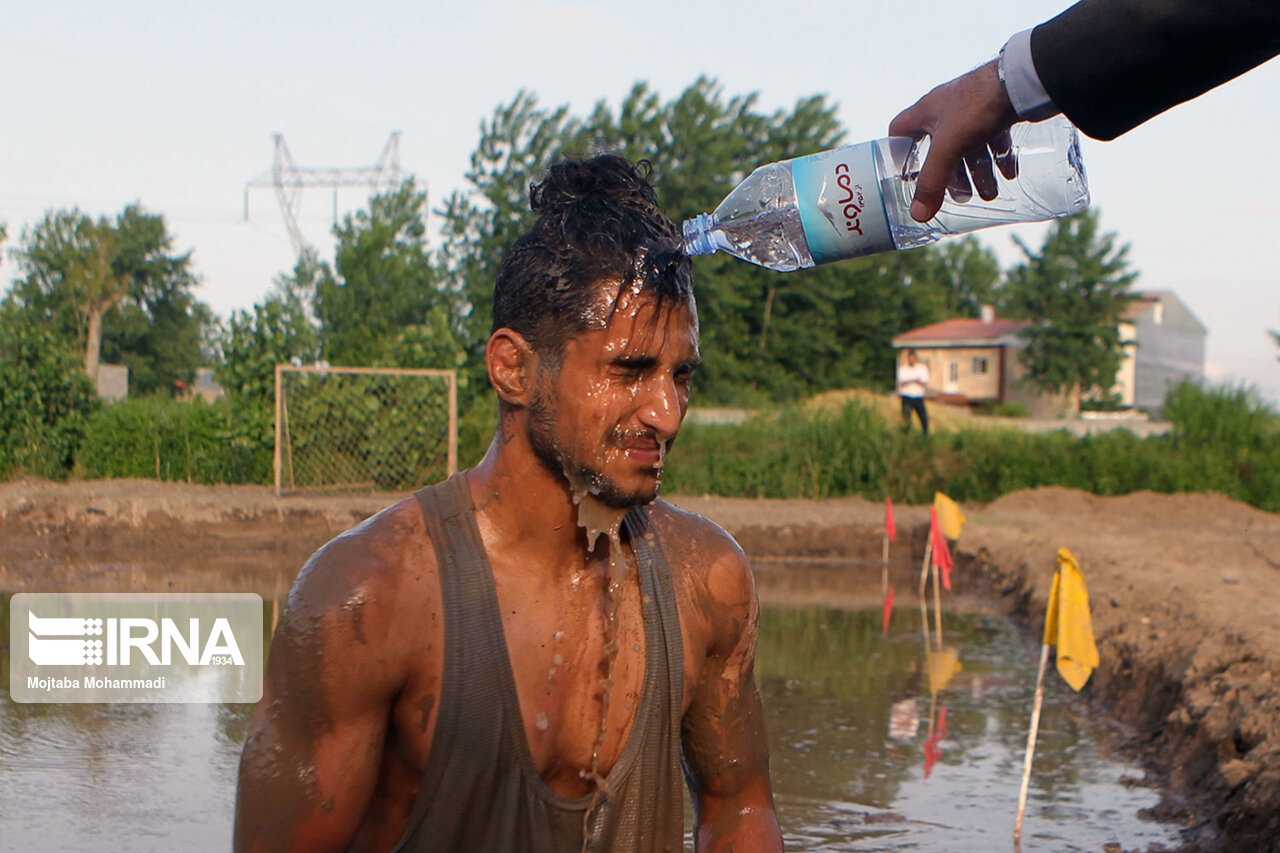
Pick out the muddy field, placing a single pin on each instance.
(1185, 595)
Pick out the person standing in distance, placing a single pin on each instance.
(913, 380)
(1107, 65)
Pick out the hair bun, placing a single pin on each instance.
(571, 182)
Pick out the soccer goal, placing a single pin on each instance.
(364, 428)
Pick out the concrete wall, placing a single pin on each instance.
(1126, 376)
(1017, 389)
(113, 381)
(1170, 347)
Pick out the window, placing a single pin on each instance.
(953, 371)
(979, 365)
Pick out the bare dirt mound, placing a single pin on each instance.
(1185, 595)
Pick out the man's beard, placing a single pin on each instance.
(581, 476)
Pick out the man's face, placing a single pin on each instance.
(911, 359)
(607, 416)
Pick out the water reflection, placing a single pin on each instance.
(865, 755)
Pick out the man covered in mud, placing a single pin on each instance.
(522, 657)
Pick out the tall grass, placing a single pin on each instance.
(1223, 440)
(783, 454)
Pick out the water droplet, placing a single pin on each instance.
(542, 721)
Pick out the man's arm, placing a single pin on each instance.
(1111, 65)
(726, 753)
(311, 759)
(1108, 65)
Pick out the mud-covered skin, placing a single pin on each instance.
(726, 753)
(338, 740)
(344, 731)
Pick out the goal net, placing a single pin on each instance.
(364, 428)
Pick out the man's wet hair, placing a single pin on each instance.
(598, 221)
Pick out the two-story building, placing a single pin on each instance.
(975, 360)
(1163, 344)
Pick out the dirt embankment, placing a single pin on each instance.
(1185, 594)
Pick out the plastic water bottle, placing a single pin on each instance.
(856, 200)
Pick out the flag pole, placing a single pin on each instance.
(937, 607)
(924, 591)
(890, 534)
(1031, 743)
(884, 563)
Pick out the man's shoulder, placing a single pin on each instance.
(689, 530)
(715, 588)
(373, 562)
(704, 558)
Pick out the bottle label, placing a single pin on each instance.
(840, 202)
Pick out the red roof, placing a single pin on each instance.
(961, 329)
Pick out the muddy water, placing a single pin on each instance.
(866, 756)
(860, 762)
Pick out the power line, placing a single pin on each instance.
(288, 180)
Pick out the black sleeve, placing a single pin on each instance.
(1110, 65)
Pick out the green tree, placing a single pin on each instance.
(45, 397)
(382, 279)
(253, 343)
(516, 146)
(278, 330)
(115, 289)
(970, 273)
(1074, 290)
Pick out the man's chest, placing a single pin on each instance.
(579, 668)
(583, 657)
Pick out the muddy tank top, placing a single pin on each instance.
(480, 792)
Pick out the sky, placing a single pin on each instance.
(174, 105)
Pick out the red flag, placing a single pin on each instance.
(931, 751)
(941, 554)
(890, 529)
(888, 608)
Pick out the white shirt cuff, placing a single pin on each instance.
(1030, 101)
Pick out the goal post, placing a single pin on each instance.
(364, 428)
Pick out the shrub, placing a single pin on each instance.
(783, 454)
(1227, 418)
(164, 439)
(1010, 410)
(45, 399)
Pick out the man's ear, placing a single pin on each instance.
(512, 365)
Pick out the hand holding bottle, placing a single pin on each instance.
(967, 120)
(854, 200)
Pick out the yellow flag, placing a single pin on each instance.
(950, 518)
(1067, 623)
(943, 665)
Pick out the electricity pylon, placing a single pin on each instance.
(288, 179)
